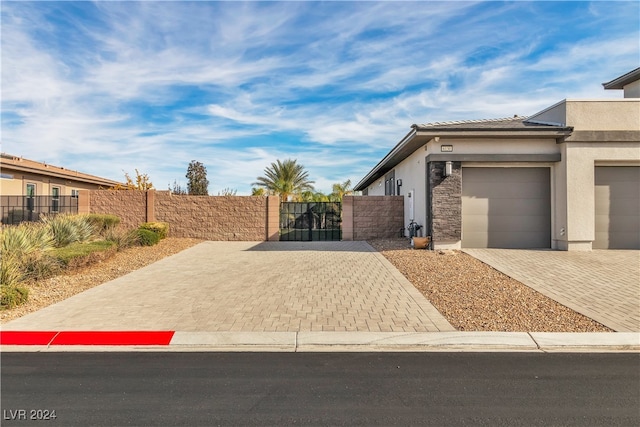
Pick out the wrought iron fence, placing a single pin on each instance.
(305, 221)
(17, 209)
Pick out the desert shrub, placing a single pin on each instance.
(17, 241)
(147, 237)
(103, 222)
(10, 271)
(39, 265)
(12, 296)
(160, 228)
(67, 229)
(121, 238)
(67, 254)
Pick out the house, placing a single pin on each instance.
(29, 188)
(566, 178)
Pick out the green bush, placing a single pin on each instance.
(147, 237)
(10, 271)
(103, 222)
(67, 229)
(160, 228)
(12, 296)
(79, 250)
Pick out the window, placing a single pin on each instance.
(55, 199)
(389, 184)
(31, 195)
(75, 193)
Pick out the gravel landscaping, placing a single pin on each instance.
(473, 296)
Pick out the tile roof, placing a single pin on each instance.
(510, 123)
(20, 163)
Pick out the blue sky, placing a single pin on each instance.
(107, 87)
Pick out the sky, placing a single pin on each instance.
(109, 87)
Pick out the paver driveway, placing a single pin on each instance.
(602, 284)
(249, 286)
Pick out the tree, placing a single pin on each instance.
(340, 190)
(142, 182)
(198, 184)
(227, 192)
(313, 196)
(287, 178)
(257, 192)
(177, 189)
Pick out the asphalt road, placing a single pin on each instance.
(244, 389)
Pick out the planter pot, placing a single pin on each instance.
(420, 242)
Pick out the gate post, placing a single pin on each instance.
(273, 218)
(347, 217)
(84, 201)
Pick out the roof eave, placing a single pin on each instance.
(622, 81)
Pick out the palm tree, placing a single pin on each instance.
(287, 178)
(340, 190)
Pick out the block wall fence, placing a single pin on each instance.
(237, 218)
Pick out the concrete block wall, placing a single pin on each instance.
(218, 218)
(446, 203)
(372, 217)
(130, 205)
(235, 218)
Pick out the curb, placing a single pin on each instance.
(64, 341)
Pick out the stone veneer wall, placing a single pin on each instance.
(374, 217)
(213, 217)
(130, 205)
(446, 202)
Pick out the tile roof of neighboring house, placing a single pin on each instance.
(31, 166)
(623, 80)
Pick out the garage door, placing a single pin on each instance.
(617, 197)
(506, 208)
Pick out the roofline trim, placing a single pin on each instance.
(623, 80)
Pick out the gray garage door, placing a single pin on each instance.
(617, 195)
(506, 208)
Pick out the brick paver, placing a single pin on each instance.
(602, 284)
(249, 286)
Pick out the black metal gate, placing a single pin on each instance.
(16, 209)
(306, 221)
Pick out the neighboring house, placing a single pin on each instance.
(22, 177)
(565, 178)
(29, 188)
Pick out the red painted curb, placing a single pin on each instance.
(86, 338)
(26, 337)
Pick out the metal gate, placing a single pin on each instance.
(307, 221)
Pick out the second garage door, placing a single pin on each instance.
(506, 207)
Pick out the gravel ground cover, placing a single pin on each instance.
(58, 288)
(473, 296)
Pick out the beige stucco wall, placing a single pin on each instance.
(17, 186)
(598, 115)
(575, 184)
(412, 173)
(632, 90)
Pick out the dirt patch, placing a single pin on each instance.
(473, 296)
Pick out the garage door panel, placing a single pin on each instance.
(506, 190)
(617, 207)
(506, 207)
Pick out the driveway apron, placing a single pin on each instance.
(251, 286)
(602, 284)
